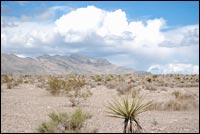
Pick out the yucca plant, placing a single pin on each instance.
(128, 109)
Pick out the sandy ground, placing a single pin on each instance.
(26, 106)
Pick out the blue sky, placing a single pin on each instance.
(175, 12)
(160, 37)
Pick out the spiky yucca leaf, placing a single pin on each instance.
(140, 107)
(116, 109)
(126, 108)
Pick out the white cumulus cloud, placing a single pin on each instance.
(180, 37)
(97, 32)
(177, 68)
(111, 25)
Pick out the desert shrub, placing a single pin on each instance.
(77, 119)
(47, 127)
(11, 84)
(9, 80)
(74, 101)
(131, 81)
(154, 76)
(176, 93)
(148, 79)
(25, 81)
(55, 85)
(6, 79)
(77, 96)
(18, 82)
(87, 93)
(72, 84)
(64, 123)
(58, 117)
(98, 78)
(111, 76)
(75, 91)
(177, 78)
(108, 78)
(197, 80)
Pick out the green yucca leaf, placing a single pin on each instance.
(125, 102)
(115, 112)
(117, 108)
(127, 108)
(114, 109)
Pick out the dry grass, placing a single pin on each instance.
(181, 102)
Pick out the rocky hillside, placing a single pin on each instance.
(73, 64)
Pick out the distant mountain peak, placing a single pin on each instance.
(44, 56)
(72, 64)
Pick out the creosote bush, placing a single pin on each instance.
(78, 95)
(55, 86)
(64, 123)
(148, 79)
(72, 84)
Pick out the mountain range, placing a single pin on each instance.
(73, 64)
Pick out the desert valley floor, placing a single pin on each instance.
(26, 102)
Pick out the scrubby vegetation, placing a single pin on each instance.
(168, 93)
(72, 87)
(77, 87)
(64, 123)
(180, 102)
(11, 81)
(55, 86)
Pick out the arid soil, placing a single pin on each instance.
(25, 106)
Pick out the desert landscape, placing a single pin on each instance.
(99, 67)
(28, 100)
